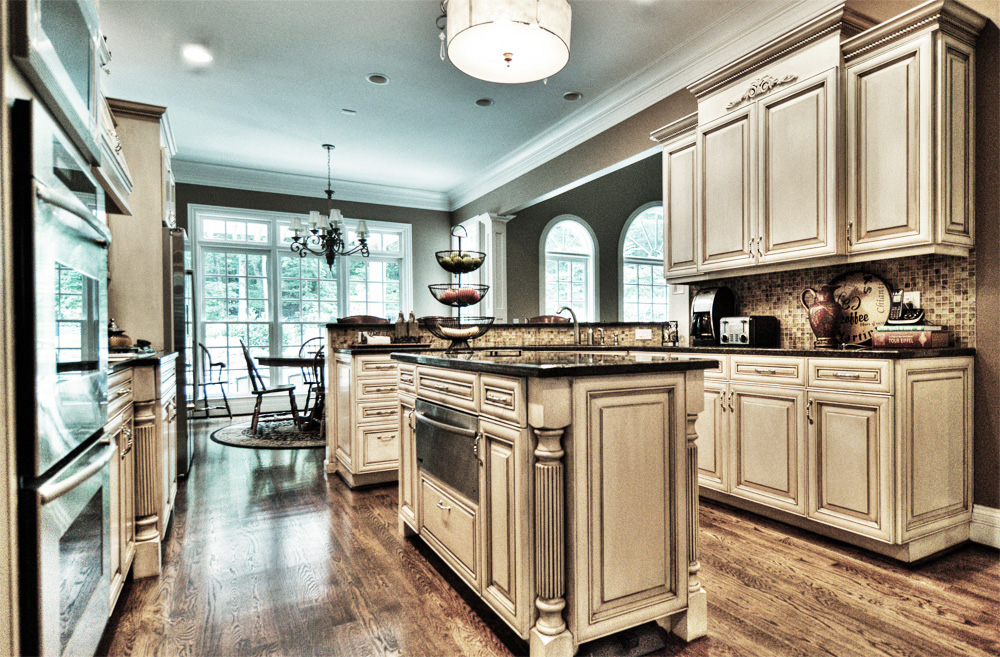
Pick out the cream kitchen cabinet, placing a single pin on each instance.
(120, 429)
(362, 419)
(680, 193)
(713, 436)
(910, 132)
(408, 476)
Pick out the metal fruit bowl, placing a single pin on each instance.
(459, 296)
(459, 330)
(460, 261)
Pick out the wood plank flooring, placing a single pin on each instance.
(268, 556)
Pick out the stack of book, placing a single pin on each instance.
(911, 336)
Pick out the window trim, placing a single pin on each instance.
(197, 212)
(594, 270)
(621, 258)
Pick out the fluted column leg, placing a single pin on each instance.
(550, 636)
(694, 623)
(147, 533)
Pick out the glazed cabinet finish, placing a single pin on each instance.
(582, 526)
(120, 429)
(363, 419)
(875, 452)
(680, 197)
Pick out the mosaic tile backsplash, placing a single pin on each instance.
(947, 288)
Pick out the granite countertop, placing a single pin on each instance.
(552, 363)
(855, 352)
(357, 349)
(136, 359)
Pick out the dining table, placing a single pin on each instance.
(313, 420)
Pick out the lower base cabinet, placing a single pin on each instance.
(119, 429)
(872, 452)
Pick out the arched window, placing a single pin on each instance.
(568, 264)
(644, 290)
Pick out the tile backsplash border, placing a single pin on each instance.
(947, 286)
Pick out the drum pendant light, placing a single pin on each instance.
(508, 41)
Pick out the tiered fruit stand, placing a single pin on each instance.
(459, 329)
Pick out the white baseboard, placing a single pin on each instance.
(985, 527)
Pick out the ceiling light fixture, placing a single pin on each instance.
(572, 96)
(197, 54)
(325, 234)
(378, 78)
(509, 41)
(485, 102)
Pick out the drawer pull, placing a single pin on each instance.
(382, 389)
(406, 378)
(385, 437)
(765, 370)
(847, 375)
(809, 410)
(385, 411)
(498, 398)
(444, 507)
(121, 393)
(381, 367)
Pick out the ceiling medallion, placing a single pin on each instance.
(507, 41)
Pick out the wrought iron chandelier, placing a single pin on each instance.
(325, 234)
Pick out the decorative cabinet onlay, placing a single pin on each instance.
(872, 452)
(774, 186)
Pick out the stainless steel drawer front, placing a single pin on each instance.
(447, 445)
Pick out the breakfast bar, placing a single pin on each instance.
(560, 486)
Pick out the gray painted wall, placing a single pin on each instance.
(430, 227)
(605, 204)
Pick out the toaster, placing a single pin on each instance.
(752, 331)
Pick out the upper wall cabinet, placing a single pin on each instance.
(679, 195)
(910, 157)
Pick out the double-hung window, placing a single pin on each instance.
(250, 286)
(644, 289)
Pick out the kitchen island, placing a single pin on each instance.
(560, 486)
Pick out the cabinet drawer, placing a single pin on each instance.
(119, 392)
(502, 398)
(850, 374)
(375, 366)
(456, 389)
(407, 377)
(768, 369)
(381, 447)
(720, 371)
(449, 526)
(376, 389)
(378, 411)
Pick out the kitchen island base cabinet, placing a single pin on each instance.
(586, 522)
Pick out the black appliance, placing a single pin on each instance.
(750, 331)
(447, 446)
(708, 307)
(61, 383)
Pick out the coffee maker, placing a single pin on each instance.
(707, 308)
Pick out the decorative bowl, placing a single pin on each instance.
(459, 330)
(460, 262)
(459, 296)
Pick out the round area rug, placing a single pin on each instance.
(281, 434)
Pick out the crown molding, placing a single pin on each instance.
(725, 40)
(257, 180)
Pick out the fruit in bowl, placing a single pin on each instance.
(466, 295)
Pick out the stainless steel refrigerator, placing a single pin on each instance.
(180, 333)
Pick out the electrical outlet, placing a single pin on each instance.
(644, 334)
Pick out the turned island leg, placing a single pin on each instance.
(550, 636)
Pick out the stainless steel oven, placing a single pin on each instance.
(447, 446)
(61, 383)
(56, 45)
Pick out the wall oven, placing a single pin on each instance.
(56, 45)
(60, 373)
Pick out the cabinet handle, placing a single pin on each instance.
(809, 407)
(381, 367)
(406, 378)
(382, 389)
(443, 388)
(722, 402)
(731, 403)
(850, 232)
(387, 411)
(498, 399)
(847, 375)
(121, 393)
(765, 370)
(411, 421)
(760, 250)
(385, 437)
(127, 435)
(475, 446)
(444, 507)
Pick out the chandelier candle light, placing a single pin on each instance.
(508, 41)
(325, 233)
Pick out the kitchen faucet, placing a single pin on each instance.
(600, 331)
(576, 324)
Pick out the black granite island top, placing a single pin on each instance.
(553, 363)
(119, 362)
(840, 352)
(365, 349)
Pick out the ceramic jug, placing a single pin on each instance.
(825, 315)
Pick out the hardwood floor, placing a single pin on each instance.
(268, 556)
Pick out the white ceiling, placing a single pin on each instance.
(284, 70)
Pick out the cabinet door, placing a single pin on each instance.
(504, 508)
(128, 494)
(407, 463)
(850, 467)
(798, 171)
(713, 436)
(726, 232)
(679, 203)
(888, 148)
(768, 439)
(117, 494)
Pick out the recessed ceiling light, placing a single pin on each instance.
(378, 78)
(485, 102)
(196, 54)
(572, 96)
(348, 112)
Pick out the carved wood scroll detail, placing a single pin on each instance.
(760, 86)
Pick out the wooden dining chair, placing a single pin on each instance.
(312, 376)
(260, 390)
(213, 374)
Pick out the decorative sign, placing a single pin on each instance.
(865, 298)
